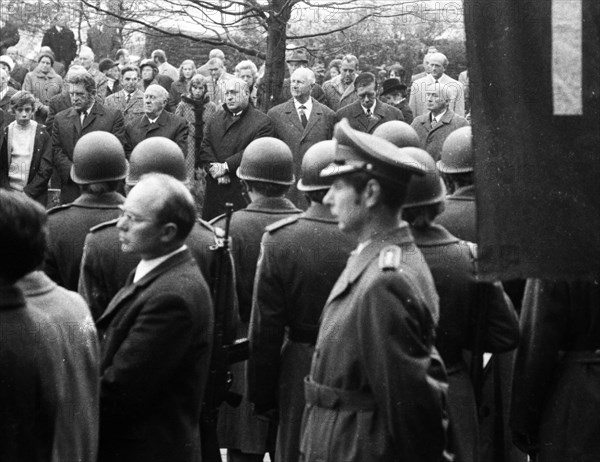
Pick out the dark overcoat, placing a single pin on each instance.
(68, 226)
(238, 427)
(377, 389)
(224, 140)
(105, 267)
(452, 265)
(168, 125)
(459, 215)
(432, 139)
(40, 169)
(156, 338)
(66, 131)
(301, 258)
(556, 386)
(359, 121)
(288, 128)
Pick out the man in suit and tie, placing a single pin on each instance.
(434, 127)
(156, 333)
(453, 89)
(130, 100)
(368, 112)
(85, 116)
(301, 122)
(156, 121)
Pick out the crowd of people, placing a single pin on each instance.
(340, 229)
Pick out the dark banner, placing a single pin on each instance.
(534, 69)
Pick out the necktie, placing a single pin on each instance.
(82, 116)
(433, 122)
(369, 113)
(303, 118)
(128, 97)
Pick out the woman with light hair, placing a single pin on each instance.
(186, 71)
(197, 109)
(248, 72)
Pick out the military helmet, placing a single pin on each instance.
(399, 133)
(267, 159)
(457, 152)
(316, 158)
(428, 189)
(156, 155)
(97, 157)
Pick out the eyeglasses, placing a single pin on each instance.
(130, 216)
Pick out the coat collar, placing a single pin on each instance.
(36, 283)
(132, 288)
(318, 212)
(466, 193)
(358, 263)
(105, 201)
(272, 205)
(432, 236)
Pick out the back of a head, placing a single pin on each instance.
(159, 55)
(457, 152)
(156, 155)
(22, 235)
(399, 133)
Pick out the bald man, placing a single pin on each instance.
(156, 121)
(452, 89)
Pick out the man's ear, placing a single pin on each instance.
(372, 193)
(168, 233)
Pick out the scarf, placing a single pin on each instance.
(198, 107)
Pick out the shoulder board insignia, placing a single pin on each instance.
(58, 208)
(103, 225)
(205, 224)
(472, 248)
(282, 223)
(390, 258)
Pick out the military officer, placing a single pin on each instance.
(267, 171)
(452, 264)
(104, 267)
(377, 388)
(301, 258)
(99, 166)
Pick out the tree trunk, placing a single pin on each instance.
(275, 59)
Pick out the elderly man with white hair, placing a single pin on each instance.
(156, 121)
(301, 122)
(450, 87)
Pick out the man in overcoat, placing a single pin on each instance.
(227, 135)
(85, 116)
(157, 121)
(367, 112)
(301, 258)
(129, 100)
(301, 122)
(377, 388)
(156, 334)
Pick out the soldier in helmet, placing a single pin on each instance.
(456, 166)
(267, 171)
(99, 166)
(104, 267)
(301, 258)
(452, 265)
(376, 389)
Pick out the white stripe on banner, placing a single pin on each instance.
(567, 65)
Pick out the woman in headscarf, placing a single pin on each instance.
(197, 109)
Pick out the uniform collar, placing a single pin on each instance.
(272, 204)
(433, 235)
(108, 200)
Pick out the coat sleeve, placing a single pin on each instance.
(118, 129)
(181, 134)
(544, 320)
(267, 329)
(392, 330)
(91, 284)
(61, 160)
(265, 128)
(39, 183)
(207, 150)
(148, 357)
(502, 333)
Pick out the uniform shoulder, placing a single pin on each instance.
(206, 225)
(281, 224)
(390, 258)
(104, 225)
(59, 208)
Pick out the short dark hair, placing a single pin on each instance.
(130, 68)
(364, 79)
(267, 189)
(316, 196)
(23, 235)
(177, 204)
(86, 79)
(459, 180)
(21, 98)
(423, 216)
(393, 192)
(97, 189)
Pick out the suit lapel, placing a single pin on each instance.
(293, 117)
(91, 116)
(315, 117)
